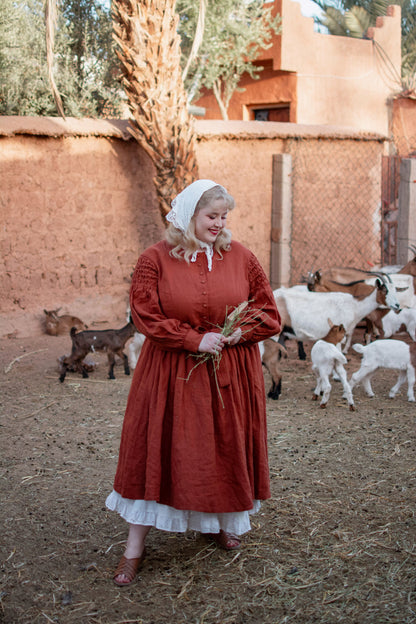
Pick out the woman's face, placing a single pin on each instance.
(210, 220)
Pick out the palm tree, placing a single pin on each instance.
(149, 51)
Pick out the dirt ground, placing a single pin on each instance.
(334, 544)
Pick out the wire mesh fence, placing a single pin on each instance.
(336, 204)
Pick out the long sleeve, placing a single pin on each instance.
(168, 333)
(266, 322)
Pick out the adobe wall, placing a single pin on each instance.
(78, 206)
(76, 211)
(404, 125)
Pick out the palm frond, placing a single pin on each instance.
(357, 20)
(334, 20)
(149, 51)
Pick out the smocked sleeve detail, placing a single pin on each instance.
(168, 333)
(144, 279)
(257, 276)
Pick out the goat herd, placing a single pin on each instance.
(326, 311)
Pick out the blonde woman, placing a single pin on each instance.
(193, 452)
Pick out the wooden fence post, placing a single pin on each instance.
(281, 232)
(406, 227)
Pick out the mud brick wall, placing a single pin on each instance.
(78, 205)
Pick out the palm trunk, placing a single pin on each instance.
(149, 50)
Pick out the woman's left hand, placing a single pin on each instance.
(234, 337)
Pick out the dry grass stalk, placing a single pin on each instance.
(20, 357)
(149, 51)
(241, 316)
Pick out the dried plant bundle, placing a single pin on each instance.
(241, 316)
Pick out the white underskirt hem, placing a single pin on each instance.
(165, 518)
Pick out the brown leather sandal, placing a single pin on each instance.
(129, 568)
(224, 540)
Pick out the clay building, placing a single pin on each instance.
(315, 78)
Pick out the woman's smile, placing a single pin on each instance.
(210, 221)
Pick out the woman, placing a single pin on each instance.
(193, 449)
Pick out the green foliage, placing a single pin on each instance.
(91, 57)
(23, 77)
(85, 62)
(235, 33)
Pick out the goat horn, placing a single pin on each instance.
(385, 277)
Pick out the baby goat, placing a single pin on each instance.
(111, 341)
(136, 344)
(270, 352)
(327, 358)
(56, 325)
(391, 353)
(134, 349)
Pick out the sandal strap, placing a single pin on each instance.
(128, 567)
(223, 538)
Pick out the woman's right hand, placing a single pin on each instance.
(212, 342)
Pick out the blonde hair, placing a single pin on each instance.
(185, 243)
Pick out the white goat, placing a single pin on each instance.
(326, 358)
(392, 354)
(307, 312)
(135, 346)
(403, 284)
(403, 321)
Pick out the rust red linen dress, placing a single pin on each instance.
(179, 445)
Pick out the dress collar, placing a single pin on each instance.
(209, 252)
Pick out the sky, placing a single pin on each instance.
(309, 8)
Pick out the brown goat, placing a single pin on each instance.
(110, 341)
(56, 325)
(271, 350)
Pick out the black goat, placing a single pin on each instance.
(111, 341)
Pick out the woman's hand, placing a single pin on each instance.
(212, 342)
(234, 337)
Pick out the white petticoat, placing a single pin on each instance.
(165, 518)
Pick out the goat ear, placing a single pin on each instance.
(318, 276)
(46, 312)
(330, 323)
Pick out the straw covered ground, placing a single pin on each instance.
(334, 544)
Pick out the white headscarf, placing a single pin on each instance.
(184, 204)
(183, 208)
